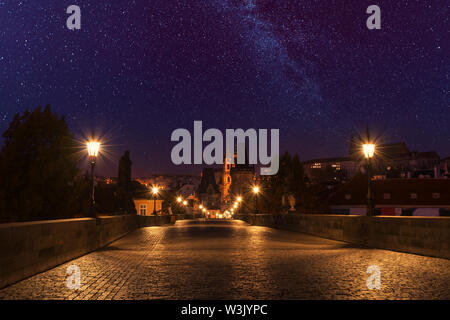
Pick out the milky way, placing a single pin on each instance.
(137, 70)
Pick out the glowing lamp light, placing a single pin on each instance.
(155, 190)
(93, 148)
(255, 189)
(179, 199)
(239, 199)
(201, 206)
(185, 202)
(369, 150)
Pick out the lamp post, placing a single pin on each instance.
(179, 201)
(93, 148)
(369, 152)
(155, 193)
(185, 203)
(239, 200)
(255, 192)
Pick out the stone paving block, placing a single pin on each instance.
(236, 261)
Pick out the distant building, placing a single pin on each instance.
(401, 197)
(445, 167)
(331, 168)
(208, 192)
(220, 186)
(397, 157)
(144, 201)
(169, 181)
(393, 160)
(146, 205)
(187, 192)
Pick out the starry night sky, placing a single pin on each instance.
(137, 70)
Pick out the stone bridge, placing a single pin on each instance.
(192, 259)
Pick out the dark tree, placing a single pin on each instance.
(297, 182)
(290, 180)
(38, 169)
(125, 187)
(277, 186)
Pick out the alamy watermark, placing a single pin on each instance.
(213, 153)
(74, 20)
(73, 281)
(374, 280)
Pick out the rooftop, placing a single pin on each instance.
(411, 192)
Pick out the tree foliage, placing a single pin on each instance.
(290, 180)
(38, 169)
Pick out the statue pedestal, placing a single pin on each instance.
(291, 200)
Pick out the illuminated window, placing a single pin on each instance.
(143, 209)
(436, 195)
(336, 166)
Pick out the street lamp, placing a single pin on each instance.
(255, 192)
(238, 201)
(369, 152)
(204, 210)
(155, 191)
(93, 148)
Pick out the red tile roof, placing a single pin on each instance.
(394, 192)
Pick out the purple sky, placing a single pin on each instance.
(137, 70)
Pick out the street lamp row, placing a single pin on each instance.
(155, 191)
(369, 153)
(93, 148)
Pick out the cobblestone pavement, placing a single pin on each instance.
(231, 260)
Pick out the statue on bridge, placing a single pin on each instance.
(124, 187)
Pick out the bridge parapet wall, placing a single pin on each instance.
(428, 236)
(148, 221)
(27, 248)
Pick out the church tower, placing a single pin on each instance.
(226, 179)
(236, 178)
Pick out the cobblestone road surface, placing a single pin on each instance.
(231, 260)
